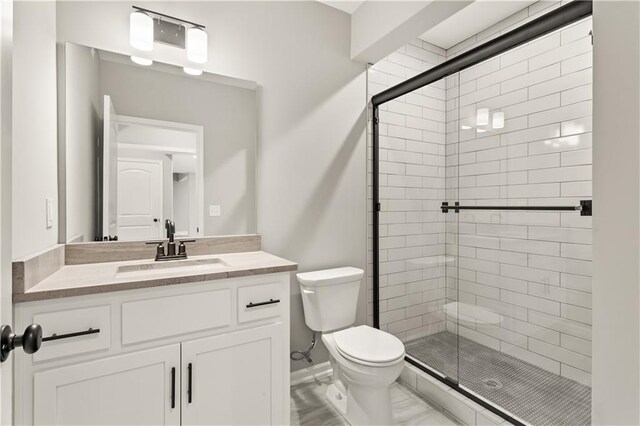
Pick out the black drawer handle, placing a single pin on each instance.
(55, 336)
(270, 302)
(189, 383)
(173, 387)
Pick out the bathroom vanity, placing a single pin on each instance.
(127, 342)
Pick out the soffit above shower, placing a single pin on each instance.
(474, 18)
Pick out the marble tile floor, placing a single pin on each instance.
(310, 408)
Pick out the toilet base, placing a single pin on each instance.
(374, 410)
(337, 399)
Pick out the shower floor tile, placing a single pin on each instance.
(535, 395)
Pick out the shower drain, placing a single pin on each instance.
(492, 383)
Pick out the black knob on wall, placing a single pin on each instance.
(30, 341)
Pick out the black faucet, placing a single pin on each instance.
(170, 226)
(171, 254)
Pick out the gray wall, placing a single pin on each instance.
(312, 110)
(35, 146)
(228, 115)
(83, 132)
(616, 182)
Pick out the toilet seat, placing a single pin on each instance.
(365, 345)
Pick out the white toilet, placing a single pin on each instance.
(365, 360)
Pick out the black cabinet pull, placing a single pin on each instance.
(55, 336)
(189, 383)
(270, 302)
(173, 387)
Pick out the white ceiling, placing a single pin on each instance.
(478, 16)
(348, 6)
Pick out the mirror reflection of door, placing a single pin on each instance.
(158, 176)
(109, 170)
(140, 191)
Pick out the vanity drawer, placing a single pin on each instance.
(70, 322)
(150, 319)
(260, 301)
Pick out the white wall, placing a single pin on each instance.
(311, 152)
(616, 186)
(35, 136)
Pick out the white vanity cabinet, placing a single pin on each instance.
(135, 388)
(234, 379)
(209, 353)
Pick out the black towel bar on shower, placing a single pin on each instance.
(585, 208)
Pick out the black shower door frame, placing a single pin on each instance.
(554, 20)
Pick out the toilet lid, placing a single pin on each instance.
(369, 344)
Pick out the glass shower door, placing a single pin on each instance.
(523, 165)
(415, 292)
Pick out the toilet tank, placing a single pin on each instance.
(330, 297)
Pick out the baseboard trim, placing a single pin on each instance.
(311, 373)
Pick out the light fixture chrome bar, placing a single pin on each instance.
(152, 12)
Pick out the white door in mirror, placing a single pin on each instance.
(109, 170)
(140, 197)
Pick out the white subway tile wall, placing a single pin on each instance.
(412, 185)
(533, 268)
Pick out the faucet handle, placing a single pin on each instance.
(182, 249)
(159, 249)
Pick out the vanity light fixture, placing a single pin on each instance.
(141, 61)
(141, 31)
(147, 26)
(197, 45)
(192, 71)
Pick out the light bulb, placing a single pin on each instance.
(192, 71)
(497, 121)
(482, 117)
(141, 31)
(197, 45)
(141, 61)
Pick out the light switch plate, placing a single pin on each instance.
(49, 207)
(214, 211)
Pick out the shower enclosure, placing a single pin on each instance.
(481, 227)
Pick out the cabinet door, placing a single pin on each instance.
(140, 388)
(234, 379)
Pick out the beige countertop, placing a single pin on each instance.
(78, 280)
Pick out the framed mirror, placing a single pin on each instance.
(143, 144)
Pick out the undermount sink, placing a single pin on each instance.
(173, 267)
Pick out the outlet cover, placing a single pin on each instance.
(214, 211)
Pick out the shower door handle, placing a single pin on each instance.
(585, 208)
